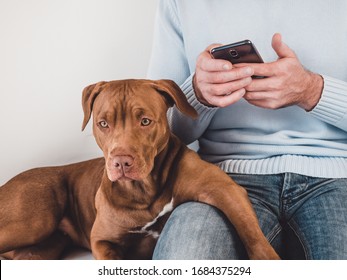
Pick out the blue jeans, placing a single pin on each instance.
(302, 217)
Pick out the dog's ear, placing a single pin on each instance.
(173, 93)
(88, 96)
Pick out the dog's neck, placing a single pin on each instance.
(141, 194)
(165, 162)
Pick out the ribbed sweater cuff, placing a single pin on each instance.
(332, 107)
(188, 89)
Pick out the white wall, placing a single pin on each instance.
(49, 51)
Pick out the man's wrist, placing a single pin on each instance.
(198, 94)
(313, 92)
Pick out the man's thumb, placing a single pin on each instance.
(281, 48)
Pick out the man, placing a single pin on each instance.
(284, 137)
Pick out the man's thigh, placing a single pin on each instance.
(199, 231)
(320, 219)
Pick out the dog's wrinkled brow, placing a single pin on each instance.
(123, 109)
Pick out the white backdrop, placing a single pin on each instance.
(49, 51)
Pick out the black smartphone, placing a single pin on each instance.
(239, 52)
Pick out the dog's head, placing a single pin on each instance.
(130, 124)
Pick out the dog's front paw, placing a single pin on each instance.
(263, 252)
(105, 250)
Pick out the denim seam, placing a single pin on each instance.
(274, 233)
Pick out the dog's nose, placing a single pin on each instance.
(123, 162)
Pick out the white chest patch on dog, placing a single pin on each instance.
(166, 209)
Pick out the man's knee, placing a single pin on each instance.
(198, 231)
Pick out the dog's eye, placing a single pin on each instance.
(103, 124)
(145, 122)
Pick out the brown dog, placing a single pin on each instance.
(117, 205)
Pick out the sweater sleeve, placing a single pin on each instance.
(169, 61)
(332, 107)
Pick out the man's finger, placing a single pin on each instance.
(281, 48)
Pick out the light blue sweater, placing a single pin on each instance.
(243, 138)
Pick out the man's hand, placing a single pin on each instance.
(217, 82)
(286, 83)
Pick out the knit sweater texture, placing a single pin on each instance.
(243, 138)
